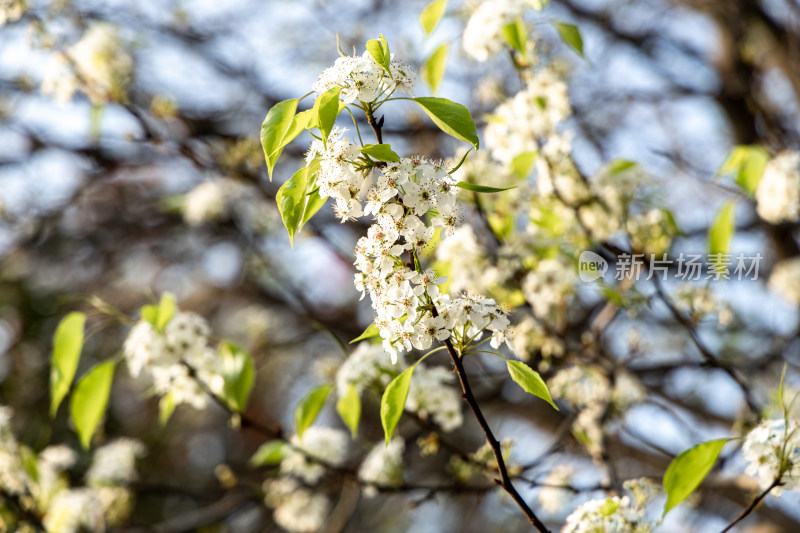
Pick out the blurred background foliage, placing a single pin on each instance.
(100, 196)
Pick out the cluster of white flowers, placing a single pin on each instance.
(163, 356)
(327, 445)
(772, 449)
(403, 296)
(12, 10)
(581, 386)
(778, 192)
(553, 497)
(519, 124)
(206, 202)
(549, 287)
(431, 394)
(527, 337)
(785, 280)
(620, 515)
(699, 302)
(97, 64)
(296, 509)
(383, 466)
(483, 35)
(361, 78)
(44, 486)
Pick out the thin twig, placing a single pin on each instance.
(749, 509)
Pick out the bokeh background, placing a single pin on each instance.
(94, 204)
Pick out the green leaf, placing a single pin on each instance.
(381, 152)
(67, 345)
(313, 204)
(371, 331)
(166, 406)
(149, 313)
(238, 372)
(452, 118)
(748, 163)
(620, 165)
(688, 470)
(516, 35)
(433, 69)
(89, 400)
(309, 407)
(393, 402)
(273, 131)
(432, 14)
(269, 454)
(721, 229)
(349, 408)
(521, 165)
(530, 380)
(166, 309)
(570, 34)
(481, 188)
(291, 199)
(326, 109)
(379, 50)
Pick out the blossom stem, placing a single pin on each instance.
(749, 509)
(469, 397)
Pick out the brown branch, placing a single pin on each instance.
(749, 509)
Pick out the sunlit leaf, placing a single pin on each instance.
(89, 400)
(326, 109)
(309, 407)
(238, 373)
(530, 381)
(688, 470)
(274, 129)
(481, 188)
(67, 345)
(433, 69)
(432, 14)
(571, 35)
(393, 402)
(380, 152)
(349, 408)
(371, 331)
(452, 118)
(269, 454)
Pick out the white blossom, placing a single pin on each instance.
(616, 514)
(383, 466)
(483, 35)
(778, 191)
(772, 449)
(785, 280)
(115, 463)
(296, 509)
(12, 10)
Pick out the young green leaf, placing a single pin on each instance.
(432, 14)
(393, 402)
(571, 35)
(522, 164)
(291, 199)
(149, 313)
(433, 69)
(721, 229)
(620, 165)
(349, 408)
(67, 345)
(381, 152)
(516, 35)
(314, 203)
(269, 454)
(238, 373)
(309, 407)
(748, 163)
(166, 309)
(452, 118)
(89, 400)
(371, 331)
(530, 380)
(481, 188)
(379, 50)
(166, 406)
(273, 130)
(326, 109)
(688, 470)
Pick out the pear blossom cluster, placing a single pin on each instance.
(772, 451)
(618, 514)
(383, 466)
(432, 394)
(295, 508)
(43, 484)
(785, 280)
(522, 122)
(362, 79)
(167, 358)
(97, 65)
(778, 191)
(317, 443)
(483, 35)
(12, 10)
